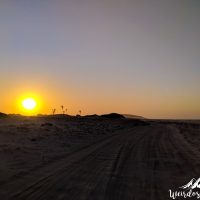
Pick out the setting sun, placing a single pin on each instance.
(29, 103)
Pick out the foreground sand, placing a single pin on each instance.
(93, 158)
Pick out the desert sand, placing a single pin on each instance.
(95, 158)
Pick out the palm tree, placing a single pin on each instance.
(54, 111)
(62, 107)
(79, 112)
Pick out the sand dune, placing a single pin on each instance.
(95, 158)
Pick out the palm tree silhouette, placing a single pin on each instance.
(62, 107)
(54, 111)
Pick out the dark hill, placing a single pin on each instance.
(113, 116)
(3, 114)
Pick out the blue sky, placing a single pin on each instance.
(139, 57)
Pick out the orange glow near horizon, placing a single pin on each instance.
(48, 99)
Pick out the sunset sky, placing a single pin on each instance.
(128, 56)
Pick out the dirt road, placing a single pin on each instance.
(137, 163)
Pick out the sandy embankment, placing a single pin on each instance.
(95, 159)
